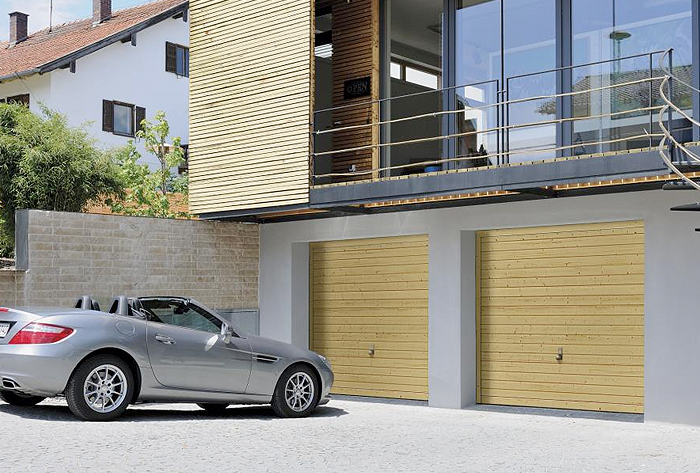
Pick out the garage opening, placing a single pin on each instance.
(369, 314)
(560, 316)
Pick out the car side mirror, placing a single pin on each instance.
(227, 332)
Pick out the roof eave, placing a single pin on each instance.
(75, 55)
(19, 74)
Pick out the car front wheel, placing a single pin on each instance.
(18, 399)
(100, 389)
(297, 392)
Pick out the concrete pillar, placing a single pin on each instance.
(451, 360)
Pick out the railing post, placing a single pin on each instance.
(695, 22)
(312, 148)
(651, 99)
(669, 118)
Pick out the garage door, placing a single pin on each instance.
(369, 314)
(561, 319)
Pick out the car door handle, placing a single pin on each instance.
(165, 339)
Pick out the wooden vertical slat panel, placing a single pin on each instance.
(578, 287)
(250, 103)
(355, 56)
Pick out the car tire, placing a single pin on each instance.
(96, 390)
(21, 400)
(213, 408)
(297, 392)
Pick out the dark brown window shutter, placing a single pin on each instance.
(108, 116)
(140, 116)
(170, 57)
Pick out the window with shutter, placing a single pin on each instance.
(122, 118)
(177, 59)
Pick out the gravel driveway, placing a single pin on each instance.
(346, 435)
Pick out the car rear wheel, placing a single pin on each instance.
(213, 408)
(297, 392)
(18, 399)
(100, 389)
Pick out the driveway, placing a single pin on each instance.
(346, 435)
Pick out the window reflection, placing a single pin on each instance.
(605, 30)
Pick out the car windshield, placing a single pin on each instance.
(180, 313)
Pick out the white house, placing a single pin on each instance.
(107, 72)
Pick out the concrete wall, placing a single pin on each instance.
(71, 254)
(121, 72)
(672, 333)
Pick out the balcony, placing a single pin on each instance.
(490, 139)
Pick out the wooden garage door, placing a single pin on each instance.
(578, 288)
(372, 294)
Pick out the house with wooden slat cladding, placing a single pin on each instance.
(106, 73)
(458, 207)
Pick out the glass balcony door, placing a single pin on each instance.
(497, 41)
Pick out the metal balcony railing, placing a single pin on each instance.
(625, 108)
(669, 141)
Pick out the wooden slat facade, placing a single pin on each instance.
(355, 56)
(575, 287)
(250, 103)
(372, 292)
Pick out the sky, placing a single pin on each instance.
(63, 11)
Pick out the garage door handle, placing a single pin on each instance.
(165, 339)
(560, 354)
(370, 352)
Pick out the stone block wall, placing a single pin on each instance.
(70, 254)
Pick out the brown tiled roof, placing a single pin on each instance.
(43, 51)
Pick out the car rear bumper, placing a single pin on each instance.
(39, 370)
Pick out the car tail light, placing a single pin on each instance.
(35, 333)
(4, 309)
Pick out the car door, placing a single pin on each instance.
(187, 349)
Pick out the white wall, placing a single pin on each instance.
(38, 87)
(119, 72)
(672, 333)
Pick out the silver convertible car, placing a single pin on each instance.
(151, 349)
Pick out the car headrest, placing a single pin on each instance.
(88, 303)
(120, 306)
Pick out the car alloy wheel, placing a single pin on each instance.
(299, 392)
(105, 388)
(101, 388)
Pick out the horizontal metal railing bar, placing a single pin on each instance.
(482, 107)
(415, 94)
(487, 156)
(484, 131)
(594, 63)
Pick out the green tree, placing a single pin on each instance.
(46, 164)
(149, 192)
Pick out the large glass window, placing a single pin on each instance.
(611, 31)
(478, 79)
(529, 32)
(416, 29)
(488, 61)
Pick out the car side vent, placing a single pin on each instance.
(268, 359)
